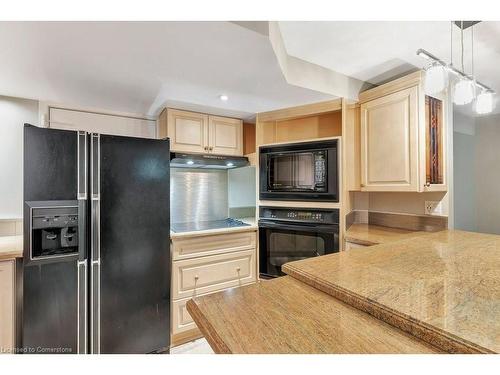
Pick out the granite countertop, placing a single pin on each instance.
(248, 220)
(284, 315)
(367, 234)
(11, 247)
(442, 287)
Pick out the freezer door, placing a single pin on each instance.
(50, 290)
(130, 251)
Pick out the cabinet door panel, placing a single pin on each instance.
(389, 142)
(181, 320)
(226, 136)
(433, 142)
(7, 304)
(188, 131)
(101, 123)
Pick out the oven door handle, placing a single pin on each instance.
(323, 228)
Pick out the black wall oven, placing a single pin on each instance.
(289, 234)
(300, 171)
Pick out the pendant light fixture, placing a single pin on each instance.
(437, 74)
(463, 91)
(436, 78)
(484, 103)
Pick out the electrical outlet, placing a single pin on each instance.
(433, 208)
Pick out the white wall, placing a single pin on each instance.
(487, 176)
(464, 172)
(14, 113)
(477, 173)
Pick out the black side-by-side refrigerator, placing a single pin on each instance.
(96, 275)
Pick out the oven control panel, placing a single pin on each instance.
(326, 216)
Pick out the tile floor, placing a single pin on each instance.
(199, 346)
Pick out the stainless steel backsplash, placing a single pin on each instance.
(198, 195)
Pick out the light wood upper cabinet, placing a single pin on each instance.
(389, 142)
(403, 137)
(68, 119)
(188, 131)
(225, 135)
(201, 133)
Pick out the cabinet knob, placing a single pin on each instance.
(238, 269)
(210, 148)
(427, 184)
(205, 148)
(196, 277)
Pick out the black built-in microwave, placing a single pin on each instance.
(300, 171)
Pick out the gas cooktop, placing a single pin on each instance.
(206, 225)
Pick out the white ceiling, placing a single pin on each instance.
(368, 50)
(139, 67)
(380, 50)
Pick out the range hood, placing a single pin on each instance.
(206, 161)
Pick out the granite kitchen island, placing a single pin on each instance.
(438, 292)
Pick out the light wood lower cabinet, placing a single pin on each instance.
(206, 264)
(200, 246)
(197, 276)
(7, 305)
(182, 321)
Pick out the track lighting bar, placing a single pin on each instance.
(429, 56)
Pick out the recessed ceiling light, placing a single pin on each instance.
(223, 97)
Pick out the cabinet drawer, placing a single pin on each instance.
(181, 320)
(214, 244)
(193, 277)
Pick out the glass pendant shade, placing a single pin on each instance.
(463, 92)
(484, 103)
(436, 79)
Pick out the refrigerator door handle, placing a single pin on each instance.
(82, 165)
(82, 172)
(95, 196)
(95, 254)
(95, 308)
(81, 343)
